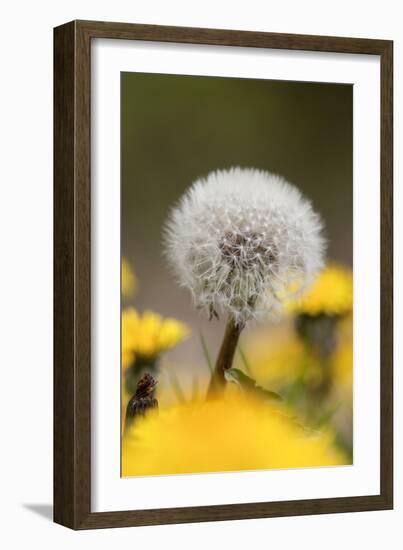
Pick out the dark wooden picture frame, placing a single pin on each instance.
(72, 269)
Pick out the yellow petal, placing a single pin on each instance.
(172, 333)
(331, 293)
(148, 335)
(229, 434)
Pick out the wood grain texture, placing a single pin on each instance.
(72, 259)
(220, 37)
(72, 269)
(387, 273)
(64, 383)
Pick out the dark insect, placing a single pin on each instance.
(143, 400)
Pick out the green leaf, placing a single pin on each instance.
(180, 396)
(249, 384)
(327, 416)
(206, 353)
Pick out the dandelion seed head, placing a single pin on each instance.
(239, 239)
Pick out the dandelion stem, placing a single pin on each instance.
(225, 357)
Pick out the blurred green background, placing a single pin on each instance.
(178, 128)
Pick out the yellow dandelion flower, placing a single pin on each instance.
(149, 334)
(129, 281)
(229, 434)
(331, 293)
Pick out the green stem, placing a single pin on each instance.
(225, 358)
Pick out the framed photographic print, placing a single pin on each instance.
(222, 275)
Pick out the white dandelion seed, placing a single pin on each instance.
(240, 240)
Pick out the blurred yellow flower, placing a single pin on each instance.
(230, 434)
(277, 358)
(331, 293)
(149, 334)
(342, 364)
(275, 355)
(129, 281)
(128, 357)
(341, 361)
